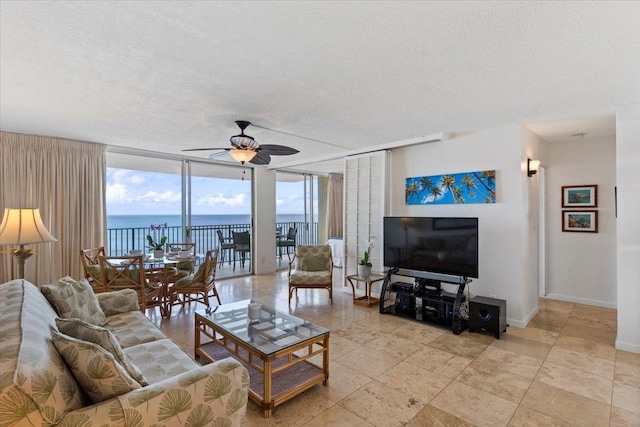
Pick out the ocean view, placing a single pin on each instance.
(134, 221)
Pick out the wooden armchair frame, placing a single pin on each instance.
(201, 284)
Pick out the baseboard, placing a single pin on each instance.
(523, 324)
(627, 346)
(584, 301)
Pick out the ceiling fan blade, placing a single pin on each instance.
(278, 150)
(218, 154)
(205, 149)
(261, 158)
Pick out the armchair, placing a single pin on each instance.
(185, 268)
(91, 267)
(311, 268)
(201, 283)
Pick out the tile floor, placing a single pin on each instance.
(562, 370)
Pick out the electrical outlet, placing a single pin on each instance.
(493, 296)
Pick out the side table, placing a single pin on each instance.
(367, 300)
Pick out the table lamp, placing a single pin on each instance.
(23, 227)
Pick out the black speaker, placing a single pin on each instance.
(488, 315)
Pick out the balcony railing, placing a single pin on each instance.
(122, 240)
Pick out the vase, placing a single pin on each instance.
(158, 253)
(364, 270)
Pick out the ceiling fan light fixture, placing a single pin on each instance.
(242, 155)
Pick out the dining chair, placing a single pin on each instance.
(202, 284)
(225, 244)
(288, 242)
(311, 268)
(185, 268)
(241, 245)
(127, 272)
(91, 267)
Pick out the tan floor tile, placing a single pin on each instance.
(623, 418)
(381, 405)
(357, 333)
(339, 346)
(420, 332)
(581, 345)
(360, 360)
(394, 346)
(576, 381)
(415, 381)
(434, 417)
(381, 322)
(566, 406)
(525, 417)
(548, 322)
(593, 312)
(627, 363)
(465, 345)
(556, 306)
(512, 362)
(300, 410)
(441, 362)
(486, 375)
(584, 362)
(254, 417)
(523, 346)
(576, 328)
(626, 393)
(534, 334)
(475, 406)
(337, 416)
(342, 382)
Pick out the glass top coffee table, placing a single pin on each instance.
(275, 347)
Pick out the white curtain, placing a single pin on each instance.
(334, 206)
(66, 180)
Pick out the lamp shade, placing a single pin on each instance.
(242, 155)
(23, 226)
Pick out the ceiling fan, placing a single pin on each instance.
(245, 148)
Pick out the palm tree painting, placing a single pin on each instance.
(459, 188)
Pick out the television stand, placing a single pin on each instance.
(424, 300)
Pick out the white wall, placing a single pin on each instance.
(535, 149)
(628, 235)
(581, 267)
(264, 221)
(502, 262)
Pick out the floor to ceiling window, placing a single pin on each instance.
(296, 213)
(185, 201)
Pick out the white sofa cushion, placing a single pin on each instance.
(97, 371)
(84, 331)
(75, 299)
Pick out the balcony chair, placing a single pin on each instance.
(185, 268)
(241, 245)
(202, 283)
(225, 244)
(127, 272)
(288, 242)
(311, 268)
(91, 267)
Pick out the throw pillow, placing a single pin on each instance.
(95, 369)
(84, 331)
(73, 298)
(312, 263)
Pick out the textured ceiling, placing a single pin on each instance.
(164, 76)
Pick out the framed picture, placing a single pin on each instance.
(581, 221)
(579, 196)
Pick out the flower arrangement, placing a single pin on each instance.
(156, 242)
(371, 243)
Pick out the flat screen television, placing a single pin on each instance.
(441, 245)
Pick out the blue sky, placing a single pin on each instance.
(132, 192)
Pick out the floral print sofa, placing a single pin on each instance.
(38, 388)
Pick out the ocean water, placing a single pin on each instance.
(134, 221)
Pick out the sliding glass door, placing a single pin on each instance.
(296, 213)
(184, 201)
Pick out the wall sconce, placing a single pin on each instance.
(532, 167)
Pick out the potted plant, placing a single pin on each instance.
(364, 268)
(157, 241)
